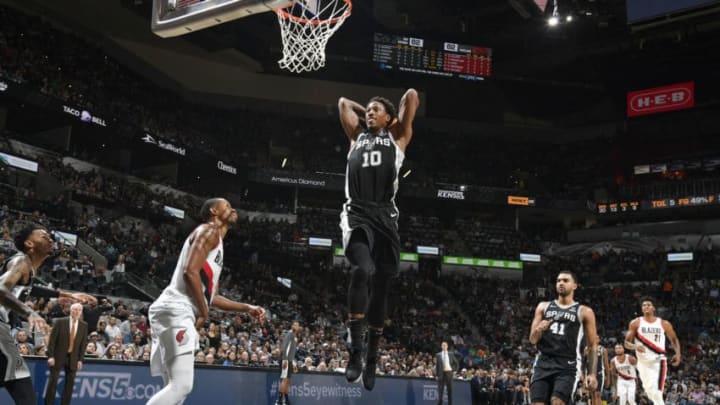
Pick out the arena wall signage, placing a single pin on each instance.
(84, 115)
(477, 262)
(428, 250)
(18, 162)
(674, 97)
(404, 256)
(222, 166)
(320, 242)
(303, 180)
(517, 200)
(117, 382)
(450, 194)
(174, 212)
(680, 257)
(65, 238)
(530, 257)
(147, 138)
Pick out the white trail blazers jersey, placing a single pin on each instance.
(625, 370)
(177, 290)
(652, 336)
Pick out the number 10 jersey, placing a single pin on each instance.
(373, 167)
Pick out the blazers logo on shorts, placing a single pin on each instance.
(181, 337)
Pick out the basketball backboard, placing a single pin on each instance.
(171, 18)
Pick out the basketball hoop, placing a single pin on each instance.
(305, 27)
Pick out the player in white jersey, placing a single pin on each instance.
(185, 303)
(622, 371)
(646, 335)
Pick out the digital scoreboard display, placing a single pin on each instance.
(449, 59)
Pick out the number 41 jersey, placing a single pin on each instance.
(373, 166)
(564, 337)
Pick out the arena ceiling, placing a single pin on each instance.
(589, 63)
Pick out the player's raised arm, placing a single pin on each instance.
(672, 336)
(539, 326)
(206, 238)
(352, 115)
(402, 131)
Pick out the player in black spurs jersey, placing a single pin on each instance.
(17, 275)
(557, 330)
(378, 139)
(603, 374)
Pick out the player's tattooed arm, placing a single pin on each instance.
(17, 270)
(352, 116)
(588, 320)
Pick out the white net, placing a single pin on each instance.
(306, 26)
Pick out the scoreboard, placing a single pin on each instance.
(632, 206)
(418, 55)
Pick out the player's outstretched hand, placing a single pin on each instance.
(591, 382)
(199, 322)
(84, 298)
(675, 360)
(257, 313)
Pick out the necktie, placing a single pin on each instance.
(72, 336)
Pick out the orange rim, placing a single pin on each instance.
(284, 14)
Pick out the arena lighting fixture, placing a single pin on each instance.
(407, 173)
(554, 19)
(284, 162)
(569, 18)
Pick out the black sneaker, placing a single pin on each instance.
(354, 368)
(368, 375)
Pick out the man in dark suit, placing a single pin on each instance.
(287, 364)
(481, 385)
(65, 352)
(445, 366)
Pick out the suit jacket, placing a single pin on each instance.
(60, 343)
(439, 363)
(289, 348)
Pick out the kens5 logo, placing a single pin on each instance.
(107, 386)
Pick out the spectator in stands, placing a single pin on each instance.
(92, 312)
(113, 352)
(91, 350)
(112, 329)
(118, 271)
(24, 349)
(98, 344)
(21, 337)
